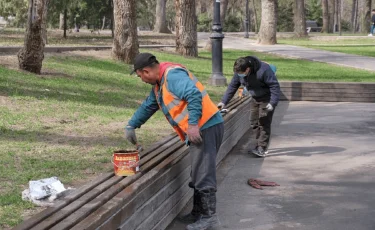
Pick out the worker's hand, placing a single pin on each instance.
(269, 107)
(221, 105)
(194, 134)
(130, 134)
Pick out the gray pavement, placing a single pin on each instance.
(322, 155)
(298, 52)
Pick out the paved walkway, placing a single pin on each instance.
(342, 59)
(322, 155)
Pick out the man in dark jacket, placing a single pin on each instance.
(260, 80)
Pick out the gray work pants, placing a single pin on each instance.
(203, 158)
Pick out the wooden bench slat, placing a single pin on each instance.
(36, 219)
(142, 213)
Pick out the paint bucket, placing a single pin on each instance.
(125, 163)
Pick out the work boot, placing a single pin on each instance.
(207, 217)
(194, 214)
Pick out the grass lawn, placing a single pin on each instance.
(15, 37)
(67, 122)
(362, 46)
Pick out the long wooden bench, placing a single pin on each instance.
(150, 199)
(328, 92)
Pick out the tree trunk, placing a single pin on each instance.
(268, 25)
(339, 16)
(223, 11)
(331, 15)
(255, 18)
(336, 17)
(366, 23)
(325, 27)
(299, 18)
(31, 56)
(125, 43)
(354, 15)
(103, 25)
(161, 17)
(203, 6)
(65, 21)
(186, 28)
(61, 24)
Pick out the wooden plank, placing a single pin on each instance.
(231, 141)
(154, 202)
(324, 90)
(327, 85)
(330, 94)
(76, 204)
(131, 211)
(163, 224)
(36, 219)
(167, 206)
(99, 216)
(327, 99)
(96, 203)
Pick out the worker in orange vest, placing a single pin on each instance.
(197, 121)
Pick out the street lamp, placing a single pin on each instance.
(247, 20)
(217, 77)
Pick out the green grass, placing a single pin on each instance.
(68, 122)
(15, 37)
(362, 46)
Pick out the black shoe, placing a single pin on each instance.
(194, 215)
(208, 217)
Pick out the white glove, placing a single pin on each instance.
(221, 105)
(269, 107)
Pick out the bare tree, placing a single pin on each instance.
(325, 27)
(367, 16)
(125, 43)
(30, 57)
(331, 15)
(339, 16)
(186, 28)
(299, 18)
(223, 11)
(268, 25)
(336, 16)
(161, 19)
(255, 18)
(354, 15)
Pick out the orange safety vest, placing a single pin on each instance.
(177, 108)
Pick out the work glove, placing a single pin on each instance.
(221, 105)
(194, 134)
(269, 107)
(130, 134)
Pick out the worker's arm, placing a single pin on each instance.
(145, 111)
(270, 79)
(180, 84)
(231, 90)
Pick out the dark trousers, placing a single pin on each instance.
(260, 121)
(203, 158)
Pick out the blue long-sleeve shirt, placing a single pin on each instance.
(179, 84)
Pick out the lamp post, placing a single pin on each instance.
(217, 77)
(247, 20)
